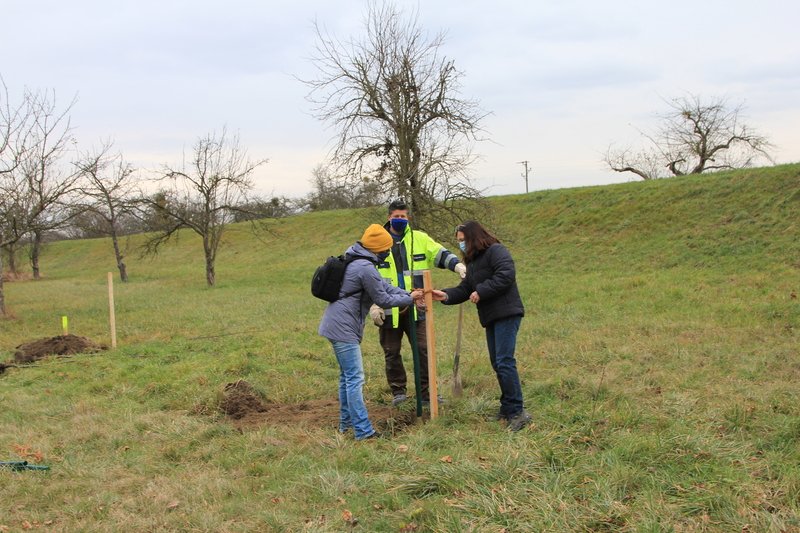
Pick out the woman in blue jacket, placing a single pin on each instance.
(343, 323)
(491, 284)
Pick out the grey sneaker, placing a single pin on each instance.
(398, 399)
(439, 399)
(498, 416)
(519, 421)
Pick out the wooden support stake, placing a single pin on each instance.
(112, 320)
(433, 389)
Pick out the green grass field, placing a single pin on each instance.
(659, 358)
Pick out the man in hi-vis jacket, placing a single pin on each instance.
(412, 252)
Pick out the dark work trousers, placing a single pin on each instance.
(392, 342)
(501, 339)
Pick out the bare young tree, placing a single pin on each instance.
(4, 243)
(259, 208)
(49, 180)
(11, 253)
(32, 189)
(18, 209)
(330, 191)
(108, 189)
(206, 196)
(15, 125)
(395, 102)
(694, 136)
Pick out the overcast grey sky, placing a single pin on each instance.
(562, 80)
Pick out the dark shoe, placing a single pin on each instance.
(499, 416)
(375, 435)
(519, 421)
(398, 399)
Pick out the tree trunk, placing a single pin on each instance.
(208, 249)
(123, 273)
(12, 258)
(2, 297)
(210, 275)
(36, 247)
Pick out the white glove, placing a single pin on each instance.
(377, 315)
(461, 270)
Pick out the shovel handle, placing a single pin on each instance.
(457, 354)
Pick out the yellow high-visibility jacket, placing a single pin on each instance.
(416, 252)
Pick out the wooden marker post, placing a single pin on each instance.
(111, 319)
(430, 333)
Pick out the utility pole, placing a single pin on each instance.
(525, 163)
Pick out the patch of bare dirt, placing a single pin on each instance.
(248, 409)
(60, 345)
(9, 277)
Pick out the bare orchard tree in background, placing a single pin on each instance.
(258, 208)
(9, 223)
(694, 136)
(11, 253)
(108, 189)
(33, 188)
(330, 191)
(395, 102)
(20, 211)
(206, 196)
(10, 124)
(13, 120)
(14, 130)
(49, 180)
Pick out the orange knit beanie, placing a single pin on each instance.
(376, 239)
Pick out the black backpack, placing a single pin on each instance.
(328, 278)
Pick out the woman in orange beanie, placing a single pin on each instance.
(343, 323)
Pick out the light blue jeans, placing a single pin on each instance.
(352, 409)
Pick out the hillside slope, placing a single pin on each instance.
(658, 357)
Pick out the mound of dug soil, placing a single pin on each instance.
(249, 409)
(241, 399)
(61, 345)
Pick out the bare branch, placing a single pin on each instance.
(205, 197)
(695, 136)
(107, 185)
(395, 105)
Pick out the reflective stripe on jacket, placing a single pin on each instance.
(416, 252)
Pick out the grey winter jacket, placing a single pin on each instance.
(343, 320)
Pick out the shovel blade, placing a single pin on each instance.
(458, 389)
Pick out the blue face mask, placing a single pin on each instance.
(463, 246)
(399, 224)
(383, 255)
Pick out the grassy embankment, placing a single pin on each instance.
(659, 357)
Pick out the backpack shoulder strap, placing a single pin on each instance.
(347, 261)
